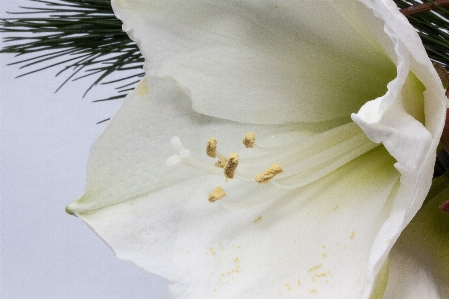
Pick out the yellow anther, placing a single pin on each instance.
(221, 162)
(211, 149)
(249, 140)
(231, 165)
(216, 194)
(268, 174)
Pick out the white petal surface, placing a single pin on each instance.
(159, 216)
(419, 261)
(266, 61)
(308, 241)
(128, 162)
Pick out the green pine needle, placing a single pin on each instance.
(82, 37)
(433, 28)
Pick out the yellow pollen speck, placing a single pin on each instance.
(335, 208)
(268, 174)
(352, 235)
(211, 149)
(142, 88)
(236, 260)
(131, 203)
(257, 219)
(313, 291)
(249, 140)
(324, 255)
(216, 194)
(299, 282)
(289, 288)
(212, 250)
(231, 165)
(324, 246)
(221, 162)
(321, 274)
(315, 267)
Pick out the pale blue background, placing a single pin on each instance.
(45, 139)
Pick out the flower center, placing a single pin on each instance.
(289, 166)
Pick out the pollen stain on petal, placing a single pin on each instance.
(216, 194)
(211, 148)
(231, 165)
(249, 140)
(315, 267)
(268, 174)
(352, 235)
(142, 88)
(257, 219)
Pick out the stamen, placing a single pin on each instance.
(268, 174)
(249, 140)
(231, 165)
(211, 149)
(221, 162)
(185, 158)
(176, 142)
(216, 194)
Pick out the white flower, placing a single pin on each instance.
(419, 261)
(339, 192)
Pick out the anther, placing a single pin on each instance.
(249, 140)
(231, 165)
(211, 149)
(221, 162)
(216, 194)
(268, 174)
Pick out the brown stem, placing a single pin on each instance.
(418, 8)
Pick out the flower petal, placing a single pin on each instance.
(396, 119)
(419, 261)
(128, 162)
(159, 216)
(314, 240)
(267, 61)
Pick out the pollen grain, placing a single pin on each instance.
(211, 149)
(221, 163)
(249, 140)
(268, 174)
(231, 165)
(216, 194)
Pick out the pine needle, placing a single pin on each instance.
(82, 37)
